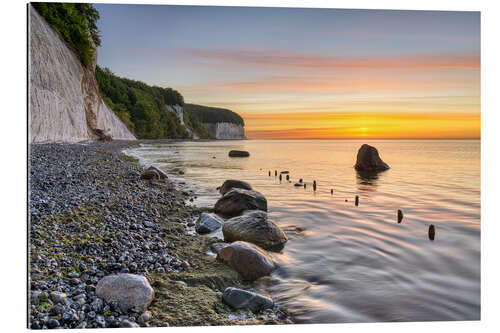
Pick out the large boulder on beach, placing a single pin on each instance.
(234, 202)
(150, 174)
(247, 259)
(238, 153)
(162, 174)
(368, 160)
(229, 184)
(208, 223)
(245, 299)
(130, 291)
(256, 228)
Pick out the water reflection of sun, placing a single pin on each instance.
(363, 131)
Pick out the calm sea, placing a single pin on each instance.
(356, 264)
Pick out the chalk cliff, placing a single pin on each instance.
(64, 100)
(225, 131)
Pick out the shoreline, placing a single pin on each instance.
(91, 216)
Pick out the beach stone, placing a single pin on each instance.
(128, 290)
(150, 174)
(229, 184)
(129, 324)
(144, 318)
(162, 174)
(255, 227)
(247, 259)
(238, 153)
(236, 201)
(208, 223)
(57, 297)
(244, 299)
(216, 247)
(368, 160)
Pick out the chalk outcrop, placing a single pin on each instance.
(64, 100)
(225, 131)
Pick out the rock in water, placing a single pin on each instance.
(234, 202)
(238, 153)
(400, 216)
(229, 184)
(368, 160)
(162, 174)
(256, 228)
(128, 290)
(247, 259)
(150, 174)
(244, 299)
(208, 223)
(216, 247)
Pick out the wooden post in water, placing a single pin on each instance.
(275, 173)
(300, 180)
(432, 232)
(269, 173)
(280, 176)
(331, 191)
(356, 200)
(314, 185)
(304, 185)
(400, 216)
(287, 177)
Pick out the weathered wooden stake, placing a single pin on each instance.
(400, 216)
(287, 177)
(280, 176)
(432, 232)
(314, 185)
(331, 191)
(300, 180)
(356, 200)
(275, 173)
(269, 173)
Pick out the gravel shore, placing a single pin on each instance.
(92, 216)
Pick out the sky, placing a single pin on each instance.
(308, 73)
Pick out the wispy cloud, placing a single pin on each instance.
(278, 58)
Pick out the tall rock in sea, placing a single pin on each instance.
(64, 100)
(368, 160)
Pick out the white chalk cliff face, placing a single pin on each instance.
(177, 109)
(64, 100)
(225, 131)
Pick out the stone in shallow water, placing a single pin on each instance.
(238, 153)
(247, 259)
(229, 184)
(128, 290)
(236, 201)
(208, 223)
(368, 160)
(256, 228)
(162, 174)
(244, 299)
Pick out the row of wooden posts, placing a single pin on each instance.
(432, 229)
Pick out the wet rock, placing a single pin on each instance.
(255, 227)
(298, 184)
(162, 174)
(368, 160)
(208, 223)
(244, 299)
(234, 202)
(285, 172)
(238, 153)
(128, 290)
(247, 259)
(150, 174)
(229, 184)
